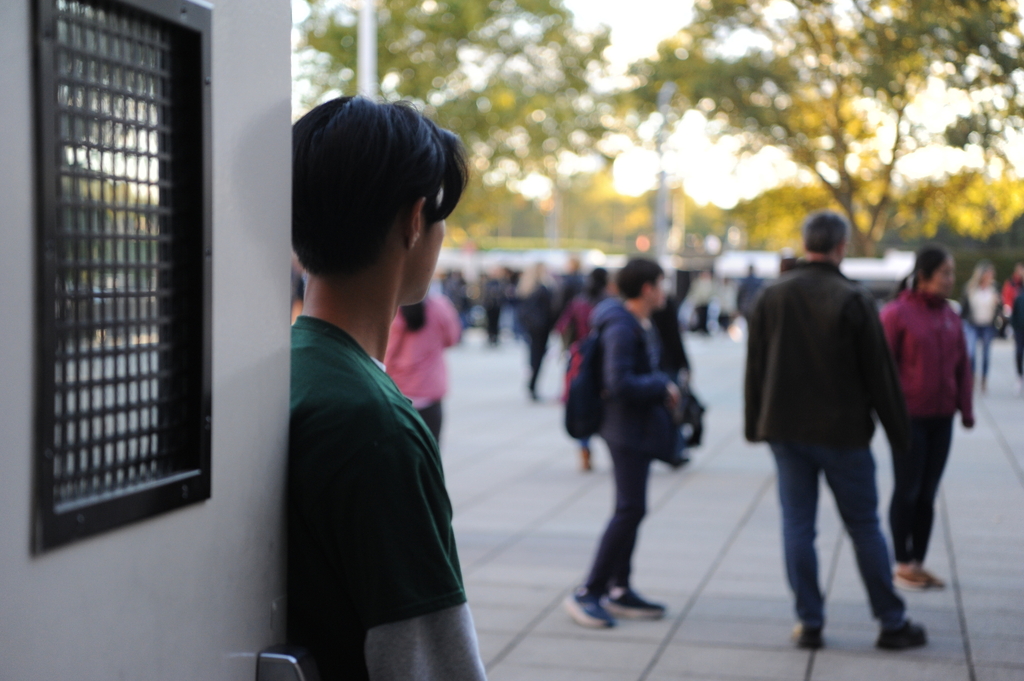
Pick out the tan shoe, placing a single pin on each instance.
(933, 581)
(585, 464)
(909, 577)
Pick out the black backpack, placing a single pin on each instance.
(583, 407)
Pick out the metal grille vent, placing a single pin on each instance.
(124, 324)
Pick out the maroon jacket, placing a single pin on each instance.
(927, 341)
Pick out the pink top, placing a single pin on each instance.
(927, 341)
(415, 359)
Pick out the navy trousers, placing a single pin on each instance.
(613, 561)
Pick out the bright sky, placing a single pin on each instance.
(708, 171)
(637, 27)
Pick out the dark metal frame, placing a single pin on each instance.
(190, 21)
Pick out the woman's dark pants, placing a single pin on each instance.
(615, 553)
(493, 323)
(431, 415)
(538, 348)
(1018, 346)
(917, 476)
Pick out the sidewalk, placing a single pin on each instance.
(527, 522)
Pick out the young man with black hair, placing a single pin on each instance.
(818, 373)
(637, 425)
(374, 585)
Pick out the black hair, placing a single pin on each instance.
(415, 315)
(637, 272)
(356, 165)
(824, 230)
(929, 259)
(597, 282)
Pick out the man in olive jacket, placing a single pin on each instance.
(818, 372)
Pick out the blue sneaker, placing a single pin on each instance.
(627, 604)
(586, 610)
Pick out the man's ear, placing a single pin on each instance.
(413, 223)
(841, 247)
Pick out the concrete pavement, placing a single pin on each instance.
(527, 523)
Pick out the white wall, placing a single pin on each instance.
(189, 594)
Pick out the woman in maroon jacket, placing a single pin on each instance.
(927, 341)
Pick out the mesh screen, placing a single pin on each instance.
(118, 382)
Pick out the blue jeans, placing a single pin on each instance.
(973, 334)
(850, 473)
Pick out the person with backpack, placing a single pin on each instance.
(574, 326)
(636, 422)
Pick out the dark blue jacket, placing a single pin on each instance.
(635, 416)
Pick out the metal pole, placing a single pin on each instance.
(366, 49)
(661, 207)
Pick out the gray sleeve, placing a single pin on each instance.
(441, 646)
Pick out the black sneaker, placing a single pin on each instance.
(910, 635)
(807, 637)
(628, 605)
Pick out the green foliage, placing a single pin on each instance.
(831, 83)
(493, 211)
(969, 204)
(593, 215)
(772, 219)
(511, 77)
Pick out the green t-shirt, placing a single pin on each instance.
(370, 535)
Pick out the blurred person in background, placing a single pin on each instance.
(510, 311)
(673, 361)
(927, 342)
(750, 286)
(1011, 287)
(415, 356)
(574, 325)
(1017, 323)
(536, 293)
(700, 298)
(493, 299)
(455, 287)
(980, 307)
(570, 285)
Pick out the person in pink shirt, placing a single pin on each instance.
(927, 341)
(415, 355)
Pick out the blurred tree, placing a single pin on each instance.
(968, 203)
(841, 87)
(493, 212)
(511, 77)
(772, 219)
